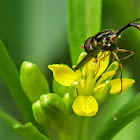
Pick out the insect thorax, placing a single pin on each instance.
(107, 39)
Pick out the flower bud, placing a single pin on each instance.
(39, 114)
(50, 110)
(102, 92)
(33, 82)
(72, 91)
(68, 102)
(113, 67)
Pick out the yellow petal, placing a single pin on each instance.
(79, 74)
(93, 66)
(85, 106)
(99, 88)
(89, 66)
(103, 63)
(116, 85)
(105, 76)
(85, 70)
(63, 74)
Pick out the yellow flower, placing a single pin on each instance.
(90, 90)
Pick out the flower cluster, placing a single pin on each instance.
(89, 87)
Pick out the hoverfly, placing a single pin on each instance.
(106, 41)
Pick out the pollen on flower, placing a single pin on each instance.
(83, 83)
(93, 66)
(74, 66)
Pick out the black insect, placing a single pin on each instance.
(106, 41)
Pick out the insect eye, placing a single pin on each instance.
(88, 45)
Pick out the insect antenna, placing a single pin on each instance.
(131, 24)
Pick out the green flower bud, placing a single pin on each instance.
(103, 93)
(72, 91)
(50, 110)
(68, 102)
(39, 114)
(33, 82)
(113, 67)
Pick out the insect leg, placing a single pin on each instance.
(114, 56)
(120, 64)
(96, 59)
(100, 61)
(123, 50)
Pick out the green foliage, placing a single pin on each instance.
(29, 131)
(84, 20)
(128, 112)
(10, 75)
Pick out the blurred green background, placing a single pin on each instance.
(36, 31)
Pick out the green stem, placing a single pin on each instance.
(10, 75)
(80, 128)
(64, 135)
(11, 121)
(85, 133)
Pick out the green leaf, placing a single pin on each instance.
(129, 111)
(33, 82)
(84, 20)
(29, 131)
(10, 75)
